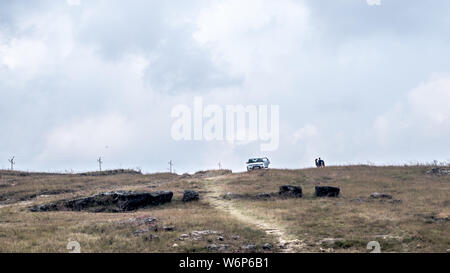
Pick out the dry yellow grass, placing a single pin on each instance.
(419, 223)
(354, 217)
(25, 231)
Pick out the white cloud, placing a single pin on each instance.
(431, 100)
(306, 133)
(422, 116)
(73, 2)
(252, 35)
(23, 53)
(90, 137)
(374, 2)
(362, 53)
(49, 41)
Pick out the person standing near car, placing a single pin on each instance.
(321, 163)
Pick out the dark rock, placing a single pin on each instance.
(117, 201)
(220, 238)
(160, 197)
(212, 247)
(190, 195)
(267, 246)
(169, 228)
(290, 191)
(45, 207)
(184, 236)
(148, 220)
(326, 191)
(439, 171)
(377, 195)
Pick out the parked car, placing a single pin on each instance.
(258, 163)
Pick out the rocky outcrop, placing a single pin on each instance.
(117, 201)
(439, 171)
(290, 191)
(326, 191)
(190, 195)
(267, 246)
(212, 247)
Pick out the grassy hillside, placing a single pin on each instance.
(231, 216)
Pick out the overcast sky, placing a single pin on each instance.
(355, 83)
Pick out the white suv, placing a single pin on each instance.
(257, 163)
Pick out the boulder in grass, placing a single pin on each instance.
(116, 201)
(327, 191)
(439, 171)
(190, 195)
(160, 197)
(267, 246)
(291, 191)
(212, 247)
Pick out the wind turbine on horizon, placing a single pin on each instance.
(100, 161)
(13, 162)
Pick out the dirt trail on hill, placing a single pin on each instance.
(17, 204)
(286, 242)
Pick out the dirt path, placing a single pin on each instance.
(286, 242)
(18, 204)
